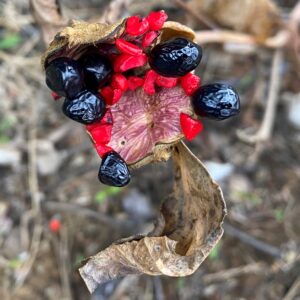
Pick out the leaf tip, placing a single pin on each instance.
(88, 279)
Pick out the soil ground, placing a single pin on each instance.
(258, 256)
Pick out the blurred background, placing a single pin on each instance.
(53, 210)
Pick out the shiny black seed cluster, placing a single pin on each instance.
(175, 58)
(97, 70)
(79, 81)
(216, 101)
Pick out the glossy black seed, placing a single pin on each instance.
(85, 108)
(216, 101)
(175, 58)
(113, 170)
(97, 70)
(64, 76)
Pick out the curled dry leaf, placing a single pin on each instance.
(260, 17)
(186, 231)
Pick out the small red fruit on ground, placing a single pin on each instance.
(54, 225)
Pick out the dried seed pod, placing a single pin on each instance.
(146, 117)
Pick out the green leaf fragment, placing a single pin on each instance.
(102, 195)
(279, 214)
(10, 41)
(214, 254)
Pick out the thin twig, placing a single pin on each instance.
(265, 130)
(64, 257)
(293, 291)
(228, 36)
(196, 14)
(251, 241)
(158, 288)
(256, 268)
(35, 201)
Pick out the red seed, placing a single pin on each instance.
(157, 19)
(189, 126)
(117, 96)
(126, 62)
(136, 26)
(127, 47)
(167, 82)
(119, 81)
(100, 131)
(106, 120)
(101, 134)
(134, 82)
(55, 96)
(107, 93)
(149, 82)
(102, 149)
(110, 95)
(54, 225)
(149, 38)
(190, 83)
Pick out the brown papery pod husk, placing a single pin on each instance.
(258, 17)
(186, 231)
(189, 225)
(79, 36)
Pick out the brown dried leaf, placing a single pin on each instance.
(48, 15)
(187, 230)
(260, 17)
